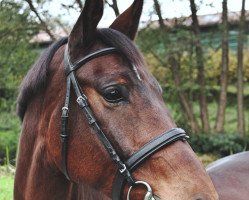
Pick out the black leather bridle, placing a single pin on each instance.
(126, 168)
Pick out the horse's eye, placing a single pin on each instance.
(115, 94)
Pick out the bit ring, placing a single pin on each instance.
(149, 193)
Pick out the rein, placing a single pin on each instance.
(125, 168)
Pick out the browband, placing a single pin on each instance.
(73, 67)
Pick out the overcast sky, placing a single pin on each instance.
(170, 9)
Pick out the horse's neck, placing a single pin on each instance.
(35, 178)
(87, 193)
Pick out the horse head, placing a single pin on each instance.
(101, 72)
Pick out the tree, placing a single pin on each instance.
(44, 25)
(79, 4)
(200, 67)
(171, 57)
(114, 6)
(240, 100)
(186, 104)
(220, 118)
(47, 22)
(16, 29)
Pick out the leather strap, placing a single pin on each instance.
(143, 153)
(64, 133)
(125, 168)
(83, 103)
(73, 67)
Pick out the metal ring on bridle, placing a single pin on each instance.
(149, 193)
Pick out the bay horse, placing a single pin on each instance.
(125, 139)
(230, 176)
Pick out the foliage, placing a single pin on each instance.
(9, 132)
(207, 159)
(166, 42)
(213, 64)
(177, 42)
(218, 144)
(16, 30)
(156, 56)
(230, 117)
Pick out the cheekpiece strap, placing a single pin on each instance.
(83, 104)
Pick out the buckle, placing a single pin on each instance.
(82, 101)
(122, 170)
(64, 112)
(64, 108)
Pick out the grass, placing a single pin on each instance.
(230, 117)
(233, 89)
(9, 134)
(9, 131)
(6, 184)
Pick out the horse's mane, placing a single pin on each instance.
(36, 78)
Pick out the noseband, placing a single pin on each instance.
(126, 168)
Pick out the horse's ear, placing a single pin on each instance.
(127, 22)
(84, 30)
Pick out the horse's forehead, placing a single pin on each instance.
(106, 66)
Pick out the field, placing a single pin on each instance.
(6, 185)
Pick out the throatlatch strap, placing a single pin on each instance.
(64, 133)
